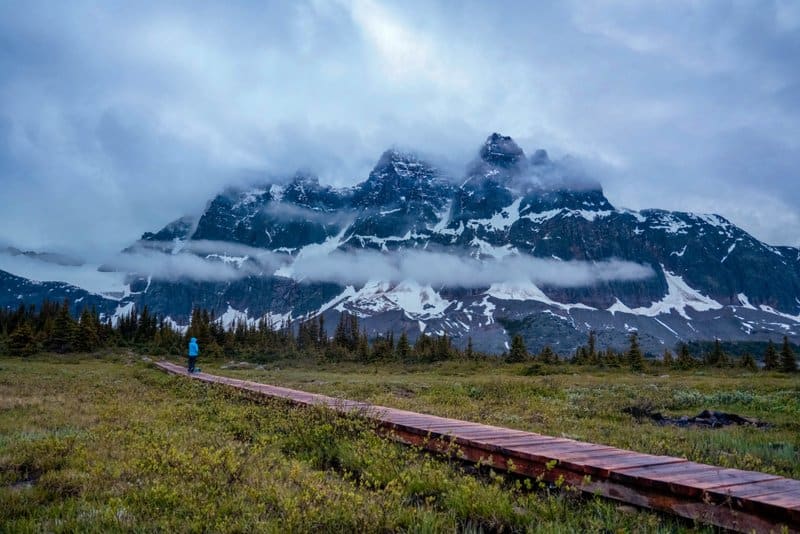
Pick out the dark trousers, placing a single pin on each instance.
(192, 360)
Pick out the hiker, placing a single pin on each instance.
(194, 350)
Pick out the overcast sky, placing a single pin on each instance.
(116, 118)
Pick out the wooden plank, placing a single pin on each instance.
(756, 489)
(689, 478)
(658, 475)
(526, 439)
(486, 440)
(423, 420)
(790, 499)
(608, 453)
(550, 448)
(726, 478)
(487, 433)
(437, 425)
(604, 466)
(586, 455)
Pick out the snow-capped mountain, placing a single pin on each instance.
(299, 248)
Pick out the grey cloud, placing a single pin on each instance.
(117, 118)
(440, 269)
(222, 261)
(213, 266)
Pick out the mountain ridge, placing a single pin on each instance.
(711, 278)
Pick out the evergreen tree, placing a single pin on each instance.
(611, 358)
(62, 338)
(748, 362)
(685, 359)
(442, 348)
(717, 356)
(518, 352)
(403, 347)
(635, 356)
(580, 357)
(770, 357)
(788, 361)
(548, 356)
(323, 335)
(87, 339)
(362, 349)
(591, 347)
(469, 352)
(668, 360)
(22, 341)
(344, 332)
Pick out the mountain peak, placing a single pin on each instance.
(540, 157)
(394, 163)
(305, 179)
(501, 150)
(394, 159)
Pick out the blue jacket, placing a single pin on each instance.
(194, 348)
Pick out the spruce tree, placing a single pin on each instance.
(62, 338)
(547, 355)
(635, 356)
(748, 362)
(770, 357)
(22, 341)
(403, 347)
(668, 360)
(518, 352)
(581, 356)
(788, 361)
(591, 348)
(685, 359)
(87, 339)
(717, 356)
(340, 335)
(362, 349)
(611, 358)
(469, 353)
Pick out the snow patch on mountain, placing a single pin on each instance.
(770, 309)
(418, 302)
(501, 220)
(679, 297)
(670, 224)
(589, 215)
(525, 291)
(314, 251)
(123, 310)
(232, 316)
(488, 309)
(443, 217)
(542, 216)
(249, 197)
(488, 250)
(730, 249)
(745, 301)
(230, 260)
(381, 241)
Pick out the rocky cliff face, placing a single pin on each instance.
(710, 278)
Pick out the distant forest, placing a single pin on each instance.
(51, 328)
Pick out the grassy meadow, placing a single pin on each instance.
(99, 444)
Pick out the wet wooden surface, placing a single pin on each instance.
(739, 500)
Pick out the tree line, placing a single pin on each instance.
(51, 327)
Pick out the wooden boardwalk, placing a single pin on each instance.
(743, 501)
